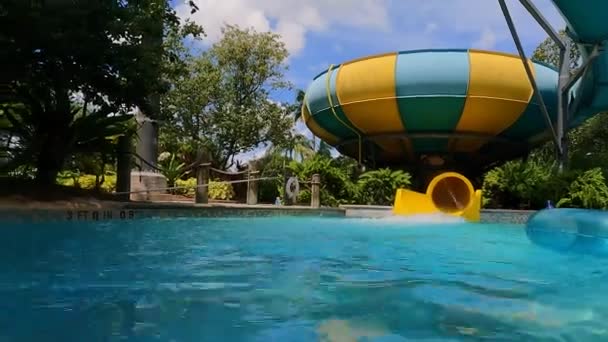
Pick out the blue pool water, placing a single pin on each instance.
(293, 279)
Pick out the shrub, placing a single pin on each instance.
(216, 190)
(270, 189)
(336, 186)
(589, 191)
(188, 186)
(516, 184)
(220, 190)
(171, 168)
(86, 181)
(380, 186)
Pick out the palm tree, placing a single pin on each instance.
(297, 112)
(324, 149)
(297, 145)
(302, 146)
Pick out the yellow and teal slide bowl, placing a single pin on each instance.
(461, 107)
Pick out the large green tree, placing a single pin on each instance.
(106, 53)
(223, 102)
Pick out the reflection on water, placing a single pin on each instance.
(293, 279)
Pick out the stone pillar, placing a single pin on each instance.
(146, 179)
(252, 186)
(202, 183)
(123, 168)
(315, 192)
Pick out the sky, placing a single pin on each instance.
(318, 33)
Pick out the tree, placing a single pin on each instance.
(223, 102)
(105, 51)
(296, 146)
(548, 52)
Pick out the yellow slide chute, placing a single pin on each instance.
(448, 193)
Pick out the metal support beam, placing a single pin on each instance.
(582, 70)
(543, 22)
(522, 55)
(562, 105)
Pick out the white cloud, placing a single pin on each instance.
(430, 27)
(292, 19)
(482, 20)
(381, 24)
(486, 41)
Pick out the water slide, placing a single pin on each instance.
(450, 113)
(587, 25)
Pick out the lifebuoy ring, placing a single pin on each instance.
(292, 182)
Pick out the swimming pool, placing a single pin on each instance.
(292, 279)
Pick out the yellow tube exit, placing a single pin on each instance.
(448, 193)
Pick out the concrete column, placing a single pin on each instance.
(202, 178)
(252, 186)
(315, 193)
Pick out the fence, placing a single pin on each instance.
(251, 179)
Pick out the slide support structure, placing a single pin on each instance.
(564, 80)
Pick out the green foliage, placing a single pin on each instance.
(589, 143)
(220, 190)
(548, 52)
(515, 184)
(589, 190)
(272, 164)
(105, 183)
(65, 52)
(348, 165)
(222, 102)
(529, 185)
(188, 186)
(379, 186)
(171, 168)
(336, 186)
(217, 190)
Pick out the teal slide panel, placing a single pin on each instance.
(316, 95)
(586, 18)
(320, 109)
(431, 89)
(532, 121)
(600, 68)
(432, 73)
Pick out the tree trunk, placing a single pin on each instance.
(53, 138)
(50, 162)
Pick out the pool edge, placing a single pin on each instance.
(141, 210)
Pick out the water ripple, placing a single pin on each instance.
(293, 279)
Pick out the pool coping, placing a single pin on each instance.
(138, 210)
(104, 211)
(509, 216)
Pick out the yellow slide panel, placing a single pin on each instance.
(366, 92)
(315, 128)
(499, 92)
